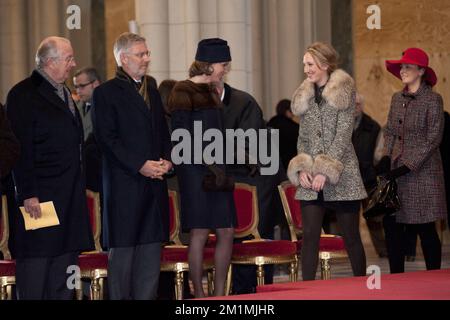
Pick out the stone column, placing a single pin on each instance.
(184, 34)
(231, 21)
(14, 48)
(153, 19)
(290, 48)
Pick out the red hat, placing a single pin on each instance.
(413, 56)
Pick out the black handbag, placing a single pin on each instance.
(383, 199)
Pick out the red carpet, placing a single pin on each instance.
(424, 285)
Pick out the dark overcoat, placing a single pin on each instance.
(189, 103)
(50, 167)
(412, 138)
(129, 133)
(9, 145)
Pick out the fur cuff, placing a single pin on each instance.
(301, 162)
(329, 167)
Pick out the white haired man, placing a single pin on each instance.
(50, 168)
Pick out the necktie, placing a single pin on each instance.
(87, 107)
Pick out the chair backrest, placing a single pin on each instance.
(4, 229)
(93, 203)
(247, 211)
(292, 208)
(174, 218)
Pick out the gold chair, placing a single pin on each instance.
(174, 257)
(258, 252)
(7, 266)
(94, 264)
(330, 246)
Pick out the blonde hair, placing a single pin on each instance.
(324, 54)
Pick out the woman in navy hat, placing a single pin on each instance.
(205, 190)
(412, 138)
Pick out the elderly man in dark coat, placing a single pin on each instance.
(44, 118)
(132, 132)
(9, 146)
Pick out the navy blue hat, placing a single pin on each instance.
(213, 50)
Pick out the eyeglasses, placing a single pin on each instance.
(141, 55)
(82, 85)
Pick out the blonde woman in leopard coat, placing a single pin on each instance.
(326, 168)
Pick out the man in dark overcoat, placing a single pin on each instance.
(132, 133)
(44, 119)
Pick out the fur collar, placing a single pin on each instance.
(338, 92)
(187, 95)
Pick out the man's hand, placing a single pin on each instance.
(33, 207)
(318, 182)
(305, 180)
(153, 169)
(166, 165)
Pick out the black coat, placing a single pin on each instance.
(241, 111)
(9, 146)
(288, 130)
(129, 134)
(445, 154)
(200, 209)
(364, 140)
(50, 168)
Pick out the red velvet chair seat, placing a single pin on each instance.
(265, 248)
(211, 242)
(331, 244)
(93, 261)
(7, 268)
(175, 255)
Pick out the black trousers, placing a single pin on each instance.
(396, 243)
(45, 278)
(133, 272)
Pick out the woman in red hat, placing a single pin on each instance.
(412, 138)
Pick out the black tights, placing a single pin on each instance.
(222, 257)
(312, 217)
(396, 236)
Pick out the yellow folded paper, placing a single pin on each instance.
(49, 217)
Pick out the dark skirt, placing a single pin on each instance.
(336, 206)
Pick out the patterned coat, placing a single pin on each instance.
(325, 140)
(412, 137)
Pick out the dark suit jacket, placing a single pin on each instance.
(128, 133)
(50, 168)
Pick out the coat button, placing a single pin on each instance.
(400, 121)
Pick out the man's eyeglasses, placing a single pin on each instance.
(82, 85)
(141, 55)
